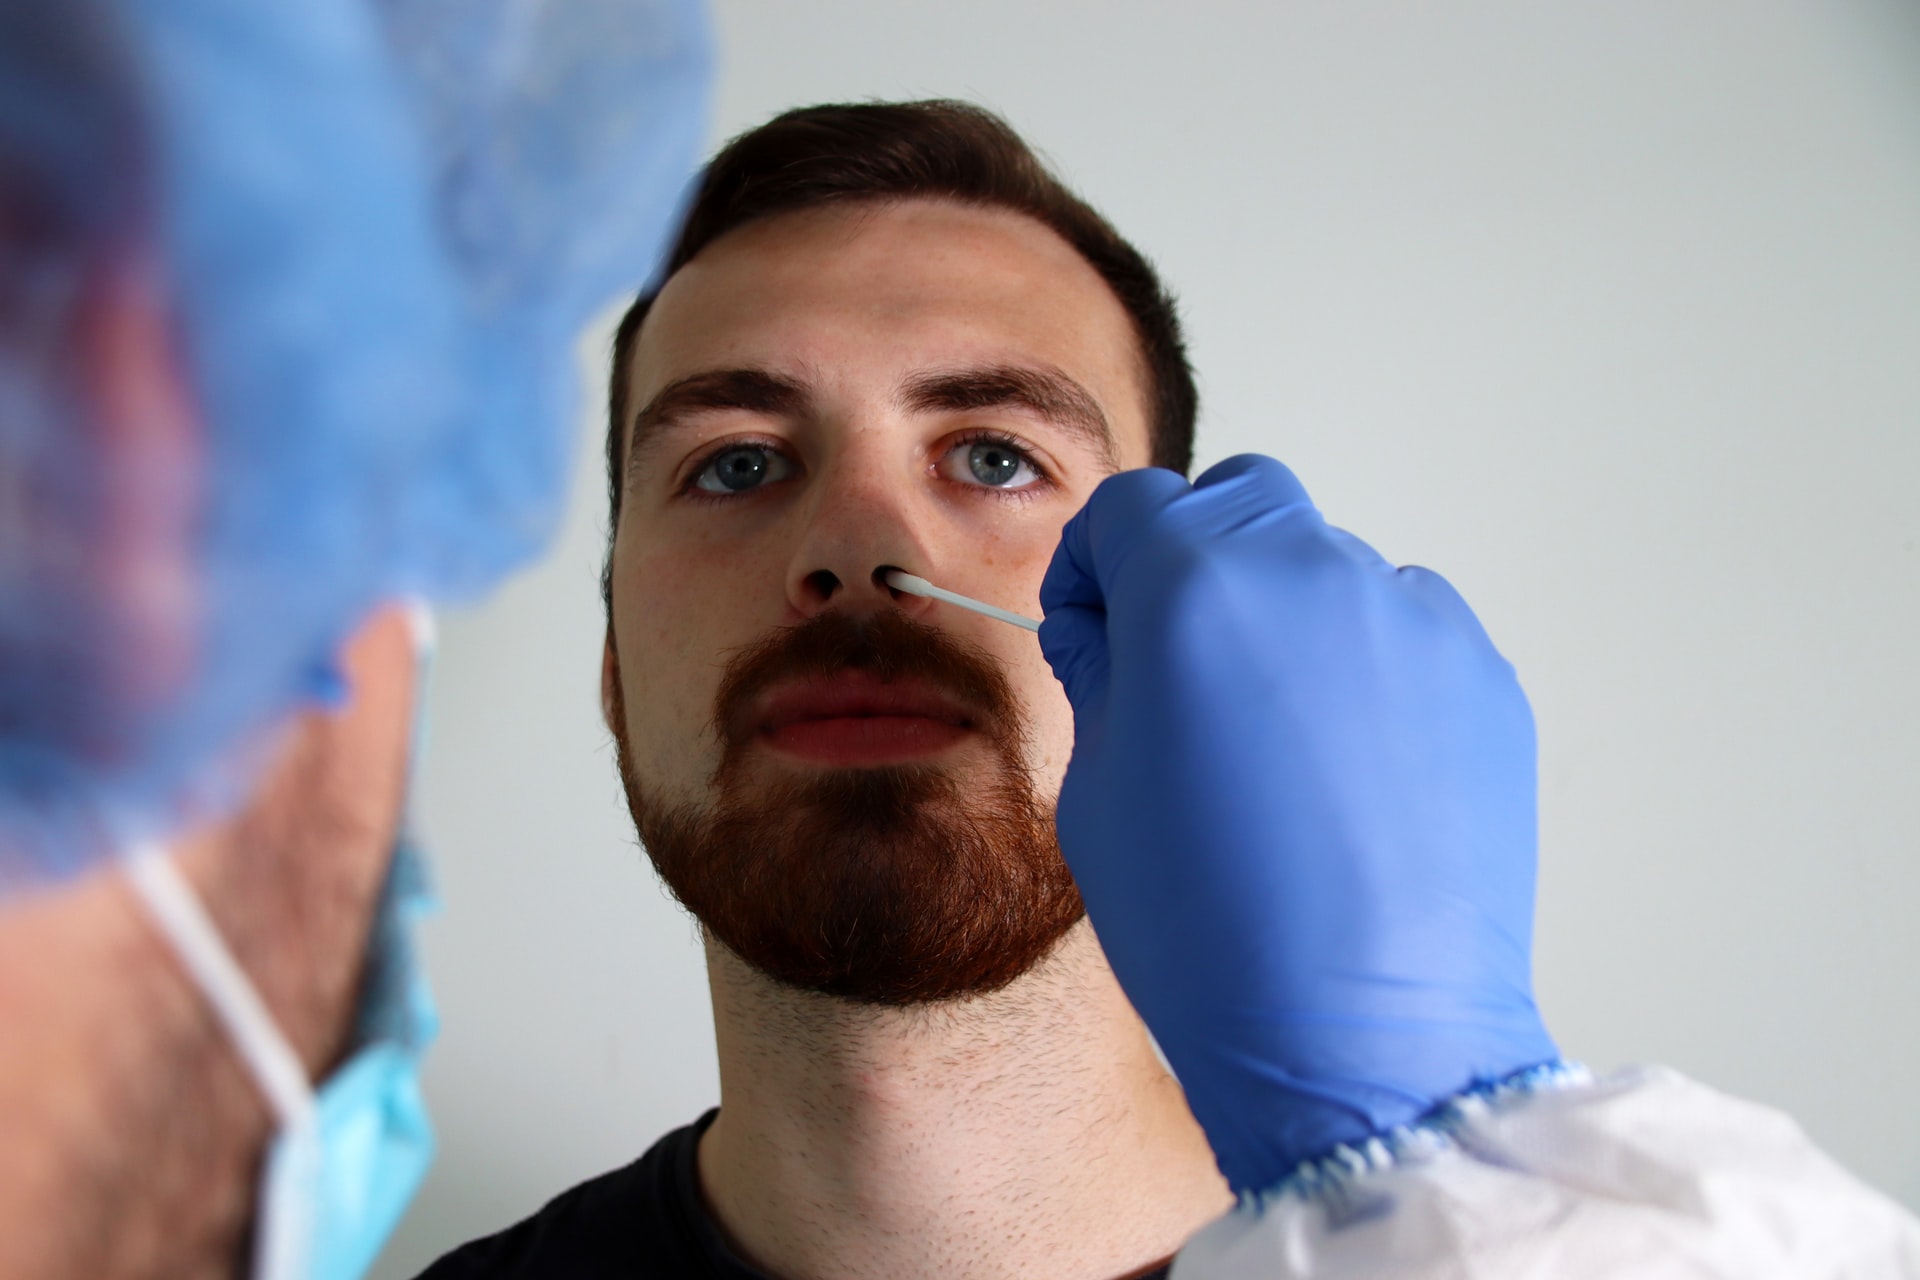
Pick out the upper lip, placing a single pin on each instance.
(854, 694)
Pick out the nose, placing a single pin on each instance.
(857, 527)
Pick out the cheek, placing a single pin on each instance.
(671, 630)
(1050, 723)
(1003, 561)
(999, 559)
(1053, 737)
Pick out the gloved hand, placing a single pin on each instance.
(1301, 810)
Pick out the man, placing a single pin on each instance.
(1299, 802)
(926, 1065)
(262, 395)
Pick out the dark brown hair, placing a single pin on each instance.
(897, 150)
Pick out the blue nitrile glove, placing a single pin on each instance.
(1300, 809)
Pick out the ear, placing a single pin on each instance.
(151, 469)
(610, 708)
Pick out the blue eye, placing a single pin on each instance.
(994, 464)
(740, 468)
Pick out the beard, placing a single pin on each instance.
(890, 885)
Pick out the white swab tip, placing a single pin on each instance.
(901, 580)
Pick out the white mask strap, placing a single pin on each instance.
(184, 922)
(426, 633)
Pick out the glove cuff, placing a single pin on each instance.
(1328, 1175)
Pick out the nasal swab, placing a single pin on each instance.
(903, 581)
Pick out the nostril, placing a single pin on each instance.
(894, 593)
(823, 584)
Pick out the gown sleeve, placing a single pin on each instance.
(1644, 1174)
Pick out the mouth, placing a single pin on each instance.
(852, 719)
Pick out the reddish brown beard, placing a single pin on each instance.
(895, 885)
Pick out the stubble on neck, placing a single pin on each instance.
(1030, 1130)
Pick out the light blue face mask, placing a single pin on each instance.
(333, 1190)
(346, 1159)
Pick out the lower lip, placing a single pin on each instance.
(856, 740)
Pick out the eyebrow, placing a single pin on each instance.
(1047, 393)
(714, 391)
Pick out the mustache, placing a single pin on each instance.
(888, 646)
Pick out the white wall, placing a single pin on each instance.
(1609, 311)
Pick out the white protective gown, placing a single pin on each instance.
(1643, 1175)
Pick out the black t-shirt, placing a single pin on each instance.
(645, 1220)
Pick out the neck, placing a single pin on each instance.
(131, 1130)
(1031, 1131)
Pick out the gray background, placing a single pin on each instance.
(1609, 311)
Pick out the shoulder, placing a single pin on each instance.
(626, 1222)
(1638, 1174)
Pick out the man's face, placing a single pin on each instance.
(820, 396)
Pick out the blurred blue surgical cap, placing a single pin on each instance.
(374, 229)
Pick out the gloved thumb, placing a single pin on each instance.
(1268, 483)
(1073, 639)
(1098, 540)
(1073, 636)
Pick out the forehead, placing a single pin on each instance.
(859, 297)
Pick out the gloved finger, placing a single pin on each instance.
(1245, 492)
(1073, 639)
(1100, 536)
(1359, 550)
(1273, 478)
(1069, 579)
(1439, 595)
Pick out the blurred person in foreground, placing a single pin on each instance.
(1291, 785)
(288, 295)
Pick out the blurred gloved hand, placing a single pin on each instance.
(1301, 809)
